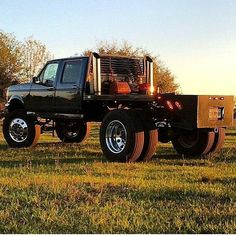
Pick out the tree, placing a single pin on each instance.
(35, 54)
(235, 107)
(163, 78)
(10, 60)
(19, 62)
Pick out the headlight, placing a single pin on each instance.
(7, 94)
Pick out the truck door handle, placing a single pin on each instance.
(51, 89)
(74, 86)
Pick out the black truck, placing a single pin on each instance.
(119, 92)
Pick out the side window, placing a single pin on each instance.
(72, 72)
(48, 76)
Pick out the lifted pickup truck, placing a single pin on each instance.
(118, 92)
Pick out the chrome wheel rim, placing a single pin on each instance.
(116, 136)
(18, 130)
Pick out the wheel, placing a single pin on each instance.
(150, 137)
(121, 136)
(194, 143)
(72, 132)
(19, 130)
(218, 141)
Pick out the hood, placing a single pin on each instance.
(20, 87)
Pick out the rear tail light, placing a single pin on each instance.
(178, 105)
(170, 105)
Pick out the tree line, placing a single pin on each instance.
(20, 61)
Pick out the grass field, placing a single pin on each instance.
(71, 188)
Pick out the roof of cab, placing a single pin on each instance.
(67, 58)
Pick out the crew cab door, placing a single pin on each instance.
(43, 90)
(69, 88)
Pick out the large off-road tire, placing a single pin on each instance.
(19, 130)
(194, 143)
(150, 137)
(121, 136)
(218, 141)
(72, 132)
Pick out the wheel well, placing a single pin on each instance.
(15, 104)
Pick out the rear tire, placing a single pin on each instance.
(121, 136)
(19, 130)
(76, 132)
(194, 143)
(150, 137)
(150, 145)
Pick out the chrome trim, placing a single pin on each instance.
(18, 130)
(116, 136)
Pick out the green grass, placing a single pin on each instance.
(71, 188)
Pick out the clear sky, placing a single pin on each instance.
(196, 39)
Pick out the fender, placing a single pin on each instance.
(16, 97)
(14, 102)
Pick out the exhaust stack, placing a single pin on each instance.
(97, 74)
(149, 72)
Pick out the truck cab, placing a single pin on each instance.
(59, 87)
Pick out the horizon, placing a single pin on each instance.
(195, 39)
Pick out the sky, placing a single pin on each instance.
(195, 39)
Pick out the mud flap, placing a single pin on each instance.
(88, 131)
(37, 135)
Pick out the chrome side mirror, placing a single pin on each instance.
(35, 79)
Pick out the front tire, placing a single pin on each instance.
(19, 130)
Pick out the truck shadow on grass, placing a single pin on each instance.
(231, 134)
(178, 160)
(48, 154)
(57, 152)
(80, 159)
(52, 162)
